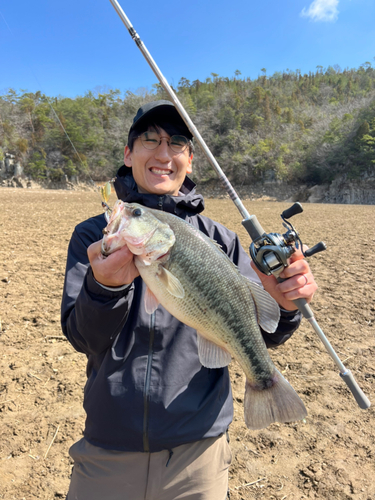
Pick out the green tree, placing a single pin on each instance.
(266, 107)
(37, 168)
(27, 106)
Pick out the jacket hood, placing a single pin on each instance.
(188, 202)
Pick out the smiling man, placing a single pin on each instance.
(159, 149)
(157, 419)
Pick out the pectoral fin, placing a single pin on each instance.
(268, 310)
(151, 302)
(171, 283)
(211, 355)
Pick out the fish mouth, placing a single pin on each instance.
(116, 219)
(140, 241)
(163, 255)
(103, 249)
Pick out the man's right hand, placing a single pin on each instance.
(115, 270)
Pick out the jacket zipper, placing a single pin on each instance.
(146, 394)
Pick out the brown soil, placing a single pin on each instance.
(328, 456)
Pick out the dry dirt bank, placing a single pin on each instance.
(329, 456)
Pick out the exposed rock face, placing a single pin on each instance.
(18, 169)
(267, 191)
(341, 190)
(9, 163)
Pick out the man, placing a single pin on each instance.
(156, 419)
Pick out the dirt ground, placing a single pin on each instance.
(330, 455)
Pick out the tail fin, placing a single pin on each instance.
(279, 403)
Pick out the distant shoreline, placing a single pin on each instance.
(340, 191)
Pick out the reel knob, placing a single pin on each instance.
(293, 210)
(319, 247)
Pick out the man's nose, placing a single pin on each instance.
(163, 151)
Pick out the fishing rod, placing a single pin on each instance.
(270, 252)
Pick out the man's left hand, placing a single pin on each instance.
(299, 282)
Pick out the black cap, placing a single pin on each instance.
(160, 111)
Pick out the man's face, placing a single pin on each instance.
(158, 171)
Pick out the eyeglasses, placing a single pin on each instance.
(151, 140)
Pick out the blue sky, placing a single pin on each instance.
(70, 47)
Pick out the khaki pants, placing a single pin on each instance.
(195, 471)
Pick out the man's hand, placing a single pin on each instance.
(114, 270)
(299, 282)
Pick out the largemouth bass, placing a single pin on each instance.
(189, 274)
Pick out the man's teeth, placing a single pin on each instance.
(160, 172)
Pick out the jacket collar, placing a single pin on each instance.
(187, 202)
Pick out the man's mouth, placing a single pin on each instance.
(160, 171)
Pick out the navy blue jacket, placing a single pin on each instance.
(146, 389)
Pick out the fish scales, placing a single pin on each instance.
(196, 282)
(214, 285)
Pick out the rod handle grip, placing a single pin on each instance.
(253, 227)
(359, 396)
(304, 307)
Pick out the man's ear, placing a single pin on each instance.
(127, 156)
(190, 168)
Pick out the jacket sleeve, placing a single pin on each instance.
(289, 320)
(91, 316)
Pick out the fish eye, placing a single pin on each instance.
(137, 212)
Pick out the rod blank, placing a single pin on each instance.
(249, 221)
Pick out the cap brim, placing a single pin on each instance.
(164, 113)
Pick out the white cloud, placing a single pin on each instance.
(322, 10)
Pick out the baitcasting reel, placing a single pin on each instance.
(270, 252)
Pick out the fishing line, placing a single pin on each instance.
(7, 25)
(105, 190)
(66, 133)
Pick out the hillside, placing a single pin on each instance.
(296, 129)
